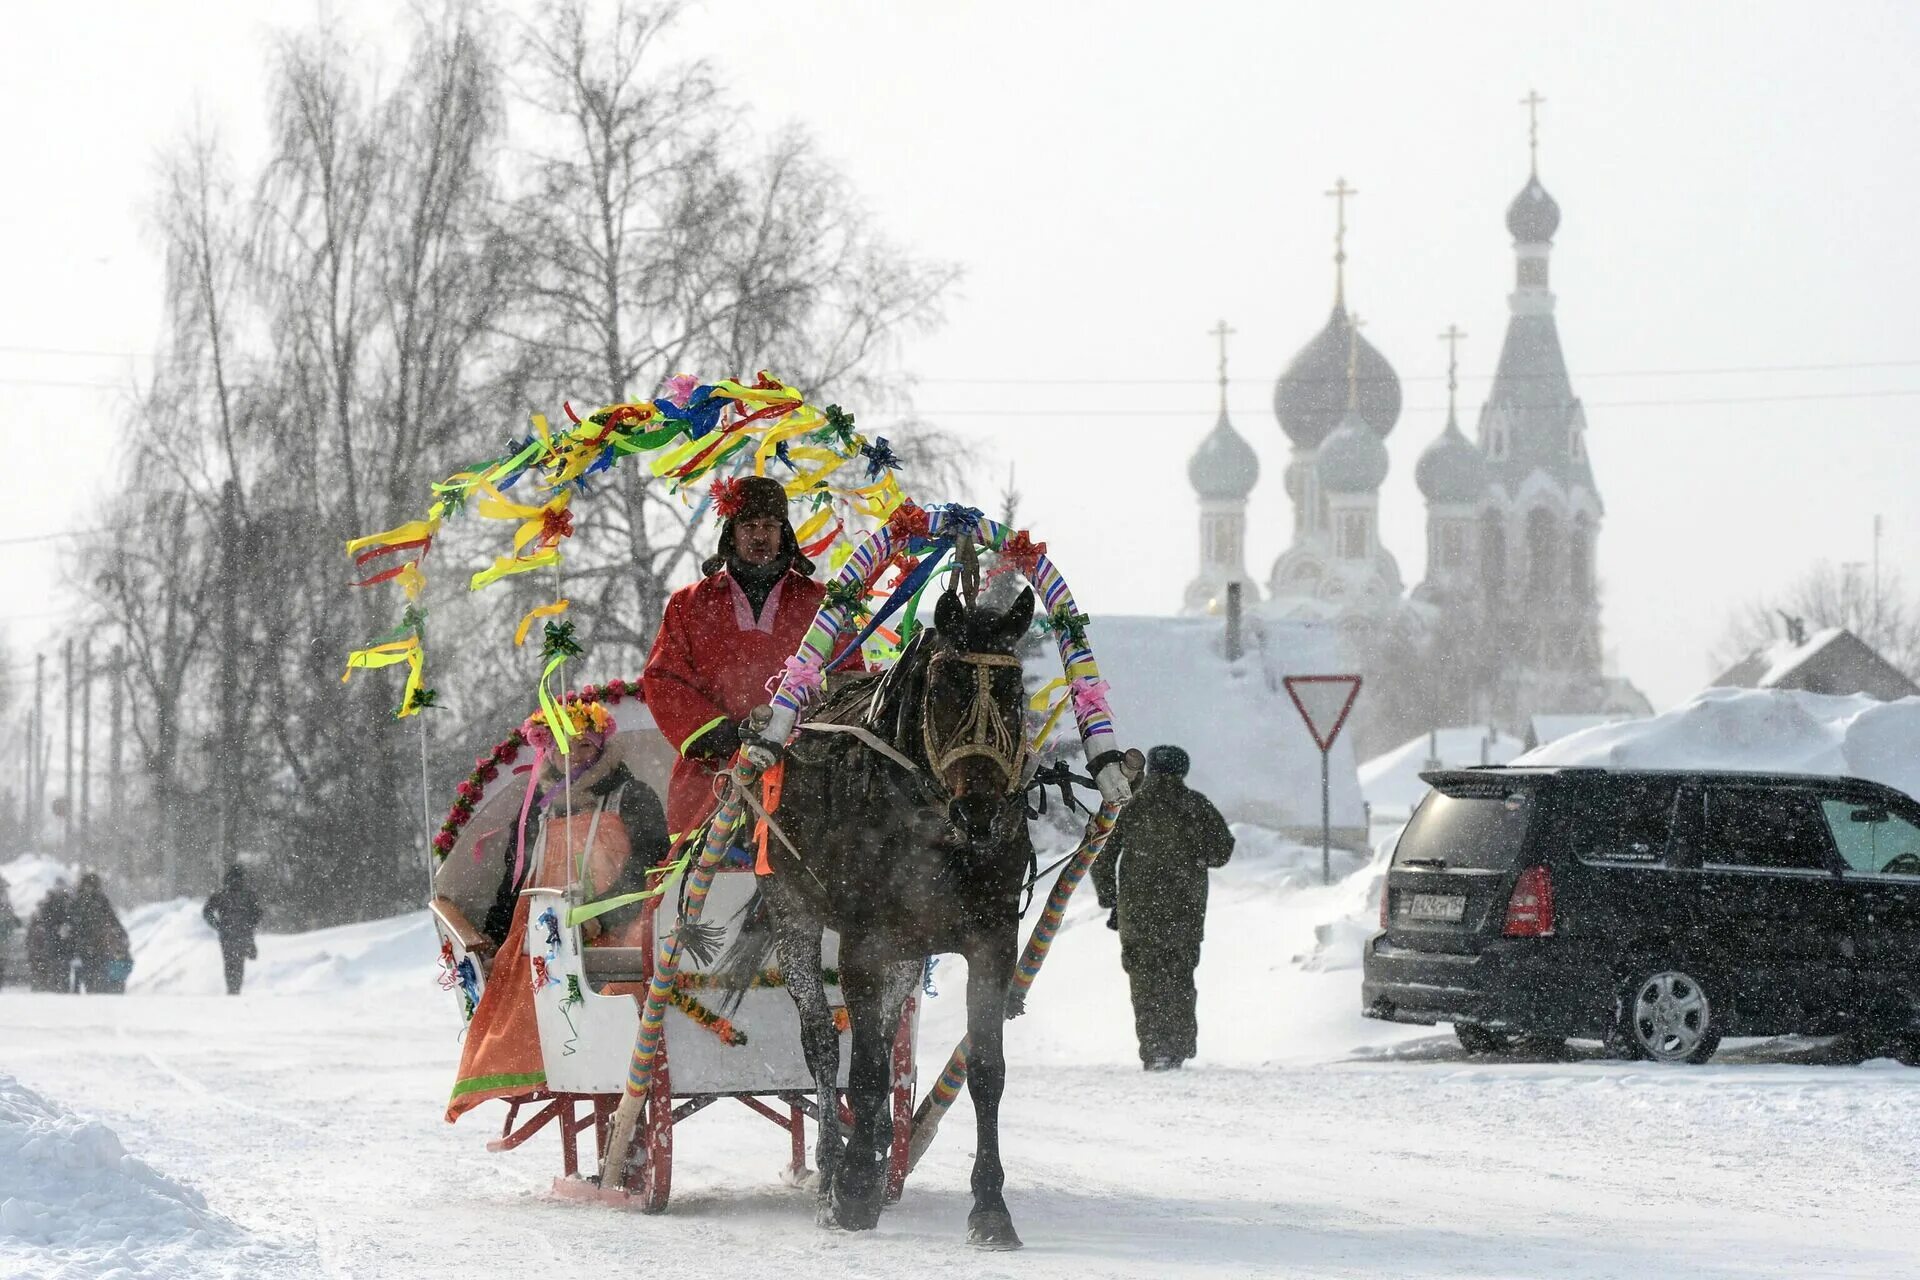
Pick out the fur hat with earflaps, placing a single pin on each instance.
(748, 498)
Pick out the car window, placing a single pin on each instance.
(1871, 839)
(1764, 827)
(1478, 829)
(1621, 819)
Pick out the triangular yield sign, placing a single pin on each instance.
(1323, 702)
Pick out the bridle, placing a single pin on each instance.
(984, 730)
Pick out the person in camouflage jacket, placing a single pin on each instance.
(1152, 876)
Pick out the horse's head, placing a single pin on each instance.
(972, 720)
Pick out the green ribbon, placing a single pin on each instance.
(588, 910)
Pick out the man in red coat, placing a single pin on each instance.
(724, 637)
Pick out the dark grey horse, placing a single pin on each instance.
(908, 853)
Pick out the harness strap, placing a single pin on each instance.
(866, 736)
(759, 810)
(770, 783)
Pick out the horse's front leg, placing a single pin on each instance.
(798, 946)
(989, 970)
(859, 1188)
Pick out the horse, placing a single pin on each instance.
(907, 836)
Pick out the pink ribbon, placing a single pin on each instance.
(797, 676)
(1089, 697)
(680, 389)
(526, 807)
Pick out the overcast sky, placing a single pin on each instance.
(1734, 268)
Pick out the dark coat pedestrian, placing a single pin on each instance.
(100, 949)
(50, 942)
(1153, 876)
(9, 925)
(234, 913)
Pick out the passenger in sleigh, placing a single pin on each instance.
(615, 833)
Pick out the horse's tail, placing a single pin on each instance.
(745, 958)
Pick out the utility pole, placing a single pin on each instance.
(36, 782)
(227, 764)
(86, 743)
(66, 791)
(1876, 580)
(113, 735)
(129, 859)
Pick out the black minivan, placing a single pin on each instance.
(1655, 910)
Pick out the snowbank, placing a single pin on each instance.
(1783, 730)
(175, 952)
(30, 875)
(72, 1201)
(1391, 781)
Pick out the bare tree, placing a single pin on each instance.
(153, 575)
(384, 301)
(1884, 614)
(660, 237)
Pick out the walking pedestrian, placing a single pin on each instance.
(50, 941)
(104, 960)
(1152, 877)
(234, 913)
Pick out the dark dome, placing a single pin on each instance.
(1225, 465)
(1353, 459)
(1451, 470)
(1533, 216)
(1311, 396)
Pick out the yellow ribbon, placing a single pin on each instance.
(1038, 702)
(527, 620)
(411, 531)
(507, 566)
(386, 655)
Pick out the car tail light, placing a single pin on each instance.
(1383, 902)
(1530, 905)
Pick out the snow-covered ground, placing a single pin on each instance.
(296, 1131)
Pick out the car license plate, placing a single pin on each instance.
(1436, 906)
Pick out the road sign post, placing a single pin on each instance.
(1324, 702)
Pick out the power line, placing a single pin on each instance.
(1341, 379)
(1092, 412)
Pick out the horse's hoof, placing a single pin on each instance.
(992, 1229)
(855, 1210)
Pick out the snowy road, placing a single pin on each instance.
(314, 1125)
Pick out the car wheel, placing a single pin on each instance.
(1666, 1015)
(1475, 1038)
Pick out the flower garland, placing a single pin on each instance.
(707, 1018)
(689, 980)
(470, 791)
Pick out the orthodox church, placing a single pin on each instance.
(1506, 614)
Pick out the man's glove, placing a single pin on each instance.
(716, 745)
(1113, 919)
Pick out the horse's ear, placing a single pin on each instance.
(1018, 618)
(950, 618)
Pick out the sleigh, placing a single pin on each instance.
(587, 1003)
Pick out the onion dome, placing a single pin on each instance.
(1225, 465)
(1311, 396)
(1451, 470)
(1534, 215)
(1353, 459)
